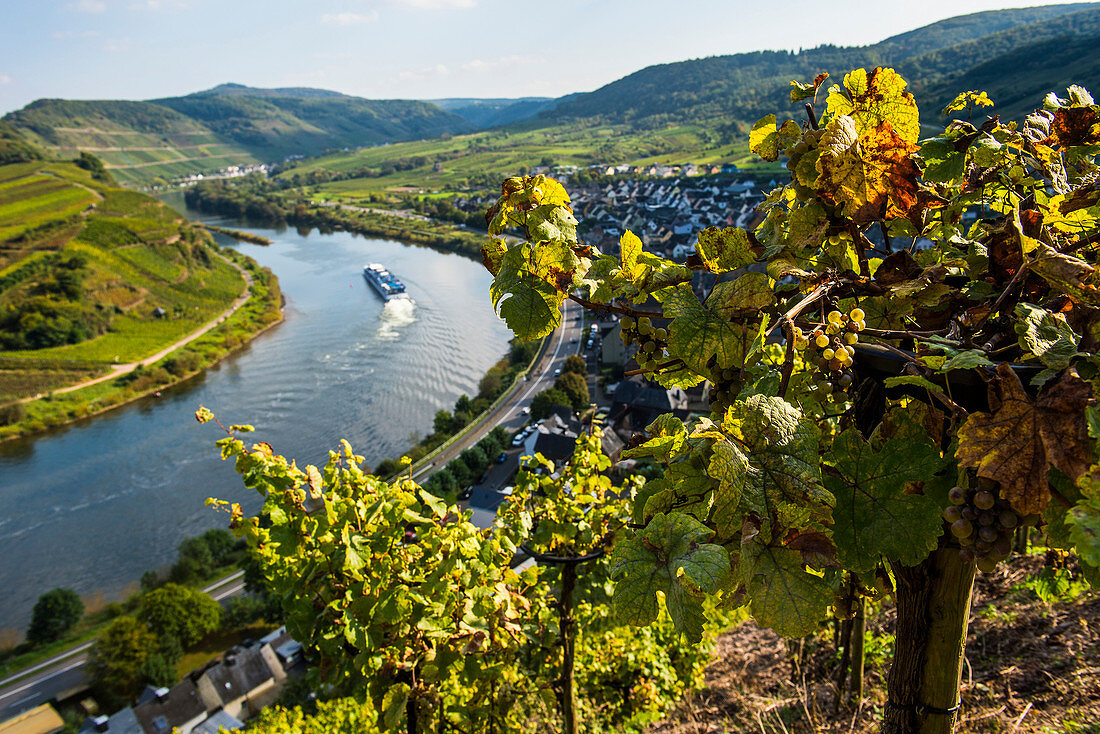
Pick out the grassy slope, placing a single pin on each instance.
(138, 259)
(207, 131)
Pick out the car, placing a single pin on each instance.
(518, 440)
(503, 457)
(507, 490)
(465, 494)
(557, 372)
(589, 345)
(573, 340)
(526, 410)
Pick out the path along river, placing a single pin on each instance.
(93, 506)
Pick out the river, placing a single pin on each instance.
(94, 505)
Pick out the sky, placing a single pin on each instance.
(412, 49)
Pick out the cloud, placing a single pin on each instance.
(349, 18)
(435, 4)
(431, 72)
(88, 6)
(4, 78)
(480, 65)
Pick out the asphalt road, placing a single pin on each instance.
(64, 672)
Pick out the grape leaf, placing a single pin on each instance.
(766, 140)
(492, 252)
(874, 516)
(771, 458)
(966, 360)
(723, 250)
(914, 380)
(528, 304)
(1084, 530)
(875, 97)
(698, 333)
(801, 91)
(529, 202)
(669, 556)
(1047, 335)
(1015, 444)
(750, 291)
(782, 595)
(665, 439)
(1066, 273)
(870, 173)
(965, 99)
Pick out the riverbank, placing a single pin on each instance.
(236, 234)
(224, 335)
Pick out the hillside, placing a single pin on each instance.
(92, 275)
(487, 113)
(749, 85)
(230, 125)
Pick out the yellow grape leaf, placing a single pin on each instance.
(766, 140)
(874, 97)
(965, 99)
(872, 175)
(1017, 442)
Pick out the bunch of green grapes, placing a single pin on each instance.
(651, 341)
(836, 340)
(983, 523)
(811, 139)
(725, 384)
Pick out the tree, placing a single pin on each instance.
(177, 611)
(544, 402)
(116, 658)
(827, 472)
(575, 363)
(475, 459)
(54, 614)
(222, 545)
(575, 386)
(443, 423)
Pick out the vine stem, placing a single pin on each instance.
(632, 312)
(799, 307)
(861, 252)
(788, 358)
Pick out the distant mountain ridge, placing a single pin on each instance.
(1017, 55)
(229, 125)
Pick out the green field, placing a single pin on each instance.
(480, 160)
(34, 199)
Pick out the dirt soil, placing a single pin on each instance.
(1030, 667)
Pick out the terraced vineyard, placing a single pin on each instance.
(92, 275)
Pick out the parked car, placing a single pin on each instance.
(518, 440)
(465, 494)
(526, 410)
(503, 457)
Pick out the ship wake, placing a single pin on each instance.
(396, 314)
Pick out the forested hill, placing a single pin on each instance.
(745, 86)
(230, 125)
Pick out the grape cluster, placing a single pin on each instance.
(810, 139)
(982, 522)
(651, 341)
(725, 384)
(836, 339)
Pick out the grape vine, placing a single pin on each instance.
(901, 359)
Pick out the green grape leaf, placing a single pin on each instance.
(773, 463)
(966, 360)
(807, 226)
(669, 556)
(782, 594)
(751, 291)
(723, 250)
(666, 436)
(1084, 530)
(698, 333)
(1046, 335)
(556, 224)
(393, 705)
(767, 141)
(801, 91)
(875, 517)
(914, 380)
(874, 97)
(688, 489)
(942, 161)
(528, 303)
(530, 202)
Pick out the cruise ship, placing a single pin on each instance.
(385, 282)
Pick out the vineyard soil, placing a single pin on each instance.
(1030, 667)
